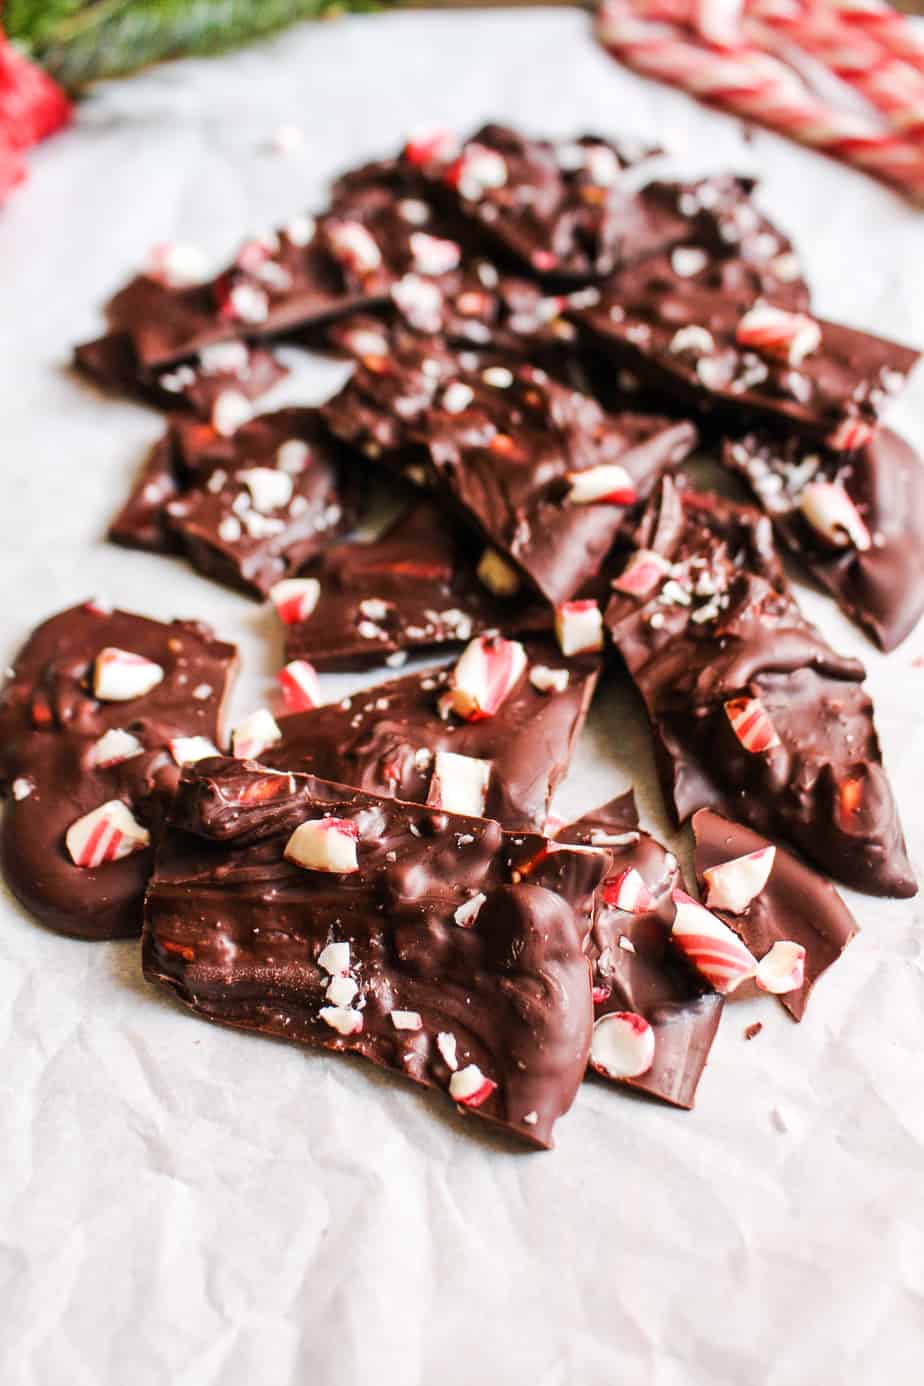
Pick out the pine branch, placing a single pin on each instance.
(81, 41)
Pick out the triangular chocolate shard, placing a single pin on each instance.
(795, 904)
(753, 713)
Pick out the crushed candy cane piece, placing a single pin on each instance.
(354, 245)
(751, 724)
(186, 750)
(406, 1020)
(459, 784)
(546, 680)
(431, 147)
(324, 844)
(247, 304)
(334, 958)
(230, 410)
(850, 435)
(109, 833)
(119, 675)
(622, 1046)
(579, 627)
(469, 911)
(341, 991)
(627, 891)
(446, 1044)
(22, 788)
(269, 488)
(255, 735)
(782, 969)
(734, 884)
(487, 671)
(433, 254)
(342, 1019)
(457, 396)
(470, 1087)
(477, 170)
(832, 514)
(608, 484)
(642, 574)
(710, 946)
(301, 687)
(177, 266)
(778, 332)
(295, 599)
(113, 747)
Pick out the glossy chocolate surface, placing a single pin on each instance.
(796, 903)
(413, 588)
(236, 931)
(881, 587)
(713, 632)
(49, 723)
(382, 739)
(636, 968)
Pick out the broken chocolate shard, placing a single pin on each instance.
(215, 374)
(696, 339)
(795, 904)
(248, 509)
(636, 968)
(495, 1009)
(414, 588)
(855, 520)
(560, 208)
(385, 739)
(70, 747)
(752, 712)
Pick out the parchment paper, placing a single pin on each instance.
(181, 1204)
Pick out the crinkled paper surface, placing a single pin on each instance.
(185, 1206)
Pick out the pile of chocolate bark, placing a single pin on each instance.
(542, 335)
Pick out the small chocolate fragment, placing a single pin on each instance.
(560, 208)
(854, 519)
(752, 1031)
(795, 904)
(753, 713)
(64, 753)
(219, 380)
(414, 588)
(384, 739)
(249, 509)
(636, 968)
(449, 951)
(696, 338)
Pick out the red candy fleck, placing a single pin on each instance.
(751, 724)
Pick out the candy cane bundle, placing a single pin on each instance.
(663, 39)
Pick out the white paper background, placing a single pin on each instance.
(180, 1204)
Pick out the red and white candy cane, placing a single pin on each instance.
(892, 29)
(758, 87)
(858, 57)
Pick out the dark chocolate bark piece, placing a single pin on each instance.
(563, 209)
(65, 753)
(753, 713)
(795, 903)
(728, 242)
(385, 739)
(305, 273)
(276, 500)
(855, 520)
(416, 587)
(697, 337)
(250, 508)
(218, 383)
(636, 968)
(433, 945)
(550, 480)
